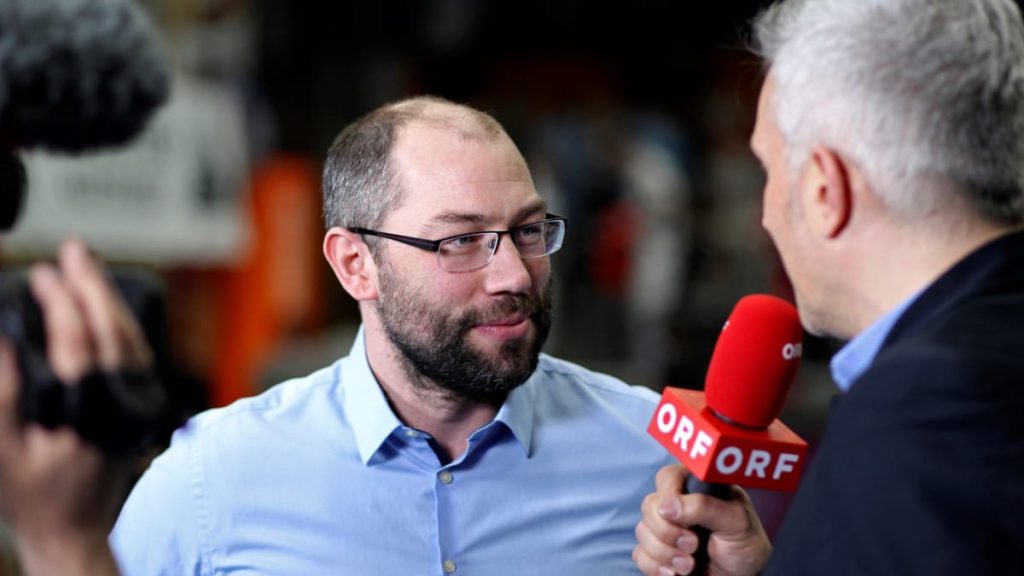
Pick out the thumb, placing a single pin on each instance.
(729, 519)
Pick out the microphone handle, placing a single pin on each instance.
(695, 485)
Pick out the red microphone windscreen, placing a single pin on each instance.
(754, 362)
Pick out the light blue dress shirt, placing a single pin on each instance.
(856, 356)
(318, 476)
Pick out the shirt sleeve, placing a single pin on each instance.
(157, 532)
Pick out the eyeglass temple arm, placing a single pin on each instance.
(431, 245)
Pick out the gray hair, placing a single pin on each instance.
(359, 183)
(925, 96)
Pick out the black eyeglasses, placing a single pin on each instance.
(467, 252)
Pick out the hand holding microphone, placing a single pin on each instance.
(726, 435)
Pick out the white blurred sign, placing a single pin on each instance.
(176, 195)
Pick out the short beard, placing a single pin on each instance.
(435, 347)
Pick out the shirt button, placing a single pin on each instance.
(447, 478)
(449, 567)
(411, 433)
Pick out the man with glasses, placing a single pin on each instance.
(444, 442)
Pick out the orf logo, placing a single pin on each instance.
(718, 452)
(792, 351)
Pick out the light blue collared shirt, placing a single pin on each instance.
(856, 356)
(318, 476)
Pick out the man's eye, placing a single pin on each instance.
(529, 233)
(464, 242)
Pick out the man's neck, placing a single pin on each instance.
(909, 259)
(425, 405)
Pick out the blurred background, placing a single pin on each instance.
(634, 117)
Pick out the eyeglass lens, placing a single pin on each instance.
(475, 250)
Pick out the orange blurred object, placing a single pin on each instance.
(276, 290)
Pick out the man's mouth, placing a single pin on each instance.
(505, 320)
(506, 327)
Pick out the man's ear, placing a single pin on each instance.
(829, 203)
(352, 263)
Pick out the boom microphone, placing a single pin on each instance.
(77, 74)
(730, 434)
(74, 75)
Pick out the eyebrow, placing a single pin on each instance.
(476, 218)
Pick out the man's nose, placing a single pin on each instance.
(507, 272)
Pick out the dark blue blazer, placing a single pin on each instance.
(921, 468)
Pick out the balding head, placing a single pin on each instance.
(359, 183)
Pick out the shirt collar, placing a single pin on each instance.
(367, 409)
(857, 355)
(517, 413)
(365, 405)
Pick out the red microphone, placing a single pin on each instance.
(730, 434)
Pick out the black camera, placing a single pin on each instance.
(121, 412)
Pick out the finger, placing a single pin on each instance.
(650, 567)
(679, 565)
(670, 479)
(664, 540)
(724, 518)
(655, 548)
(665, 552)
(118, 338)
(744, 508)
(662, 515)
(69, 347)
